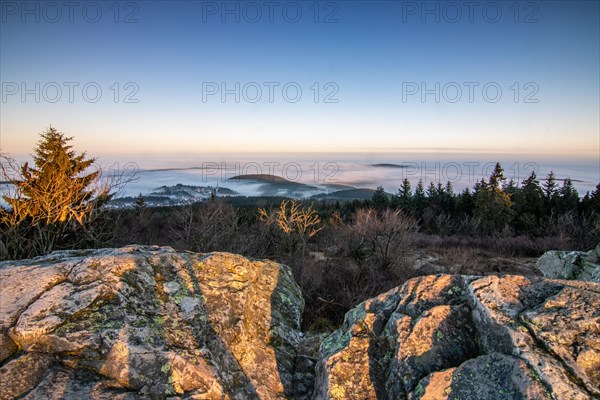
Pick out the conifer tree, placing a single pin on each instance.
(550, 193)
(448, 200)
(432, 193)
(478, 186)
(449, 189)
(420, 201)
(529, 205)
(510, 187)
(497, 176)
(465, 203)
(380, 199)
(57, 188)
(550, 186)
(493, 207)
(568, 197)
(403, 199)
(55, 195)
(593, 204)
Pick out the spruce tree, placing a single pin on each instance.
(550, 186)
(478, 186)
(550, 193)
(493, 207)
(497, 176)
(447, 200)
(432, 193)
(529, 205)
(403, 199)
(57, 189)
(568, 198)
(510, 187)
(466, 203)
(593, 203)
(449, 189)
(420, 201)
(380, 199)
(54, 196)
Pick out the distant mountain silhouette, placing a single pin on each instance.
(262, 178)
(387, 165)
(272, 185)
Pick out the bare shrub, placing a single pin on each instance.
(297, 223)
(334, 287)
(380, 235)
(210, 226)
(582, 232)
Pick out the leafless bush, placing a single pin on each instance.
(333, 287)
(210, 226)
(298, 224)
(380, 235)
(582, 232)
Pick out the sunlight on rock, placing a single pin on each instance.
(155, 323)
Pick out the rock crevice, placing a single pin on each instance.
(446, 333)
(150, 322)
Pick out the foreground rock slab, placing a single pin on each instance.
(457, 337)
(147, 322)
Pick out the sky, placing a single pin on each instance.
(186, 77)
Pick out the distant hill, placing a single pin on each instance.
(387, 165)
(272, 185)
(175, 195)
(261, 178)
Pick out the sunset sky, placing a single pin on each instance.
(373, 57)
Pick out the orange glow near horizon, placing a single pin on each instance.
(17, 143)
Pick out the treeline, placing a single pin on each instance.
(501, 207)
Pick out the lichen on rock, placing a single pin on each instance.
(578, 265)
(459, 337)
(149, 322)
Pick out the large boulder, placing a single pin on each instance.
(578, 265)
(147, 322)
(456, 337)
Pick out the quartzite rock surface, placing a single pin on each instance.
(148, 322)
(458, 337)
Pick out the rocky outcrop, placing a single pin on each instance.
(148, 322)
(579, 265)
(456, 337)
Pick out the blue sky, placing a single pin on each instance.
(366, 57)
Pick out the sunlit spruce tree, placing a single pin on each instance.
(56, 195)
